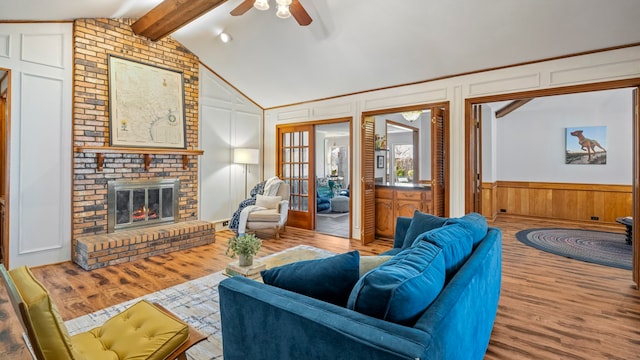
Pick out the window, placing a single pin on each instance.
(403, 163)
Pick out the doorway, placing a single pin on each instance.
(428, 163)
(333, 179)
(476, 197)
(302, 161)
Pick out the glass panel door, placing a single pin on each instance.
(295, 166)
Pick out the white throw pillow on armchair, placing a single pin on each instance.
(268, 202)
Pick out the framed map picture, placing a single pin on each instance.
(146, 105)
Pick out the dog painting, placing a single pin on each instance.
(586, 145)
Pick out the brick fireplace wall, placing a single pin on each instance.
(94, 40)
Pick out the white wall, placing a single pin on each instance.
(227, 120)
(321, 153)
(40, 57)
(531, 140)
(591, 68)
(489, 144)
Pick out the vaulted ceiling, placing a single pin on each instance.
(358, 45)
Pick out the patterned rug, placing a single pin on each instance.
(196, 302)
(598, 247)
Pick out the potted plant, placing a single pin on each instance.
(246, 246)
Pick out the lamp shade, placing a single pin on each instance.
(246, 156)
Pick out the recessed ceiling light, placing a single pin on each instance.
(224, 37)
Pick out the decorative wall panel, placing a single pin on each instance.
(508, 84)
(423, 97)
(5, 45)
(43, 49)
(41, 176)
(336, 110)
(595, 72)
(296, 114)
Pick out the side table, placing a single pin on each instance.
(251, 271)
(628, 222)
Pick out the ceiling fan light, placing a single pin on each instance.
(283, 11)
(411, 116)
(261, 4)
(224, 37)
(284, 2)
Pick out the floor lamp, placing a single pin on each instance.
(246, 156)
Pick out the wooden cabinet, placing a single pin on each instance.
(392, 202)
(384, 218)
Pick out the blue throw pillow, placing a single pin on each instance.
(401, 289)
(474, 223)
(329, 279)
(420, 223)
(456, 244)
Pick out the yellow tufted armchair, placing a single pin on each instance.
(143, 331)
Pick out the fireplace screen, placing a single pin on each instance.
(135, 203)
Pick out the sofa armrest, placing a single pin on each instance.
(402, 224)
(265, 322)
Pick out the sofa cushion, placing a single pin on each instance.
(474, 223)
(455, 242)
(401, 289)
(328, 279)
(368, 263)
(268, 202)
(420, 223)
(121, 336)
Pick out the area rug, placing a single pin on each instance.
(598, 247)
(196, 302)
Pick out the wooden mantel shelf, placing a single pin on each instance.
(147, 152)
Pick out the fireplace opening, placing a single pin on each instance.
(137, 203)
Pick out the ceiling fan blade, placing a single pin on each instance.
(242, 8)
(299, 13)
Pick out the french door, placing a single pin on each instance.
(296, 168)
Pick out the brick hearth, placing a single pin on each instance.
(96, 251)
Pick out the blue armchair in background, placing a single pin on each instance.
(324, 193)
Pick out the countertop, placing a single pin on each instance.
(405, 186)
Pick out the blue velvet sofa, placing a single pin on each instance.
(262, 321)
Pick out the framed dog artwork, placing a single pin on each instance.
(586, 145)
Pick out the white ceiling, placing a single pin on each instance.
(359, 45)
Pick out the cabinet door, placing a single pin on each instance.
(407, 207)
(384, 218)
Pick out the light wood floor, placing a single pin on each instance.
(550, 307)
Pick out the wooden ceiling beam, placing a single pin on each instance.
(512, 106)
(170, 15)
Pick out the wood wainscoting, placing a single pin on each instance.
(563, 201)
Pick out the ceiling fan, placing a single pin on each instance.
(285, 9)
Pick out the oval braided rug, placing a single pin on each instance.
(598, 247)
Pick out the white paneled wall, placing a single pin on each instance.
(597, 67)
(40, 59)
(227, 120)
